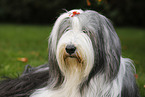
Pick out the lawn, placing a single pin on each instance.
(30, 41)
(18, 41)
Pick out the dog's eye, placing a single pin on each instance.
(84, 31)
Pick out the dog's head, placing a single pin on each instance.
(86, 43)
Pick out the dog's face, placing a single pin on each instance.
(75, 51)
(85, 44)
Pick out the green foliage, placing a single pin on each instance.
(122, 12)
(34, 11)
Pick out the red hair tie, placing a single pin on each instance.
(74, 13)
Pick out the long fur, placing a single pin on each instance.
(96, 68)
(24, 85)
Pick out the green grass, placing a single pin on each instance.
(17, 41)
(31, 41)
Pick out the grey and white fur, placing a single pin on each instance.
(85, 60)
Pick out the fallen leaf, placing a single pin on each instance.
(22, 59)
(136, 76)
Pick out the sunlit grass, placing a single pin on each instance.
(17, 41)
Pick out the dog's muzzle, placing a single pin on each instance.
(70, 49)
(72, 52)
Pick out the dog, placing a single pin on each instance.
(84, 61)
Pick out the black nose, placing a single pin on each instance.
(70, 49)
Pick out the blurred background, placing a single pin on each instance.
(25, 26)
(121, 12)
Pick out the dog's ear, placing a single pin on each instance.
(53, 39)
(112, 48)
(52, 46)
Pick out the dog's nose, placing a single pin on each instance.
(70, 49)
